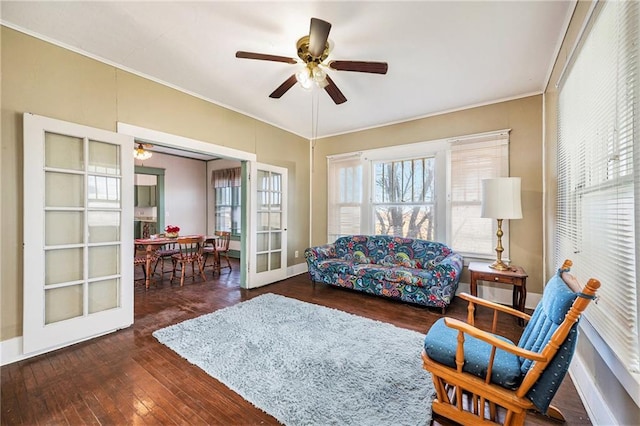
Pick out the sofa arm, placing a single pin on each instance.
(451, 266)
(318, 253)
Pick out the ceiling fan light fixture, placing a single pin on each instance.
(140, 154)
(319, 76)
(304, 78)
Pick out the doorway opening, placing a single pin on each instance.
(185, 149)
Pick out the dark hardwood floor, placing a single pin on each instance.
(127, 377)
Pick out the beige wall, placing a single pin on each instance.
(47, 80)
(522, 116)
(185, 191)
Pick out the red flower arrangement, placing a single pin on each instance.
(172, 229)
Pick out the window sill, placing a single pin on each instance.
(630, 381)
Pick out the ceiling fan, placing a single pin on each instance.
(313, 50)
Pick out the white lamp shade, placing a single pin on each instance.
(501, 198)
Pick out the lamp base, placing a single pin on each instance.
(499, 265)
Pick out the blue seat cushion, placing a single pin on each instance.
(441, 342)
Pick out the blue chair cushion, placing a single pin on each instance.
(441, 342)
(557, 299)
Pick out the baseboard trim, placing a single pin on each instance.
(502, 295)
(11, 351)
(297, 269)
(595, 405)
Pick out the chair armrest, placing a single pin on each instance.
(492, 340)
(495, 306)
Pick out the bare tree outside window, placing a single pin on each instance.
(404, 199)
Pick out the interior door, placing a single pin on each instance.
(78, 228)
(269, 225)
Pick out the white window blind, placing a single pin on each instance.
(470, 161)
(345, 196)
(598, 200)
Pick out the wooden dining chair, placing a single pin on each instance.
(140, 258)
(190, 252)
(481, 377)
(222, 248)
(209, 252)
(164, 254)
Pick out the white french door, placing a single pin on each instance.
(78, 229)
(268, 261)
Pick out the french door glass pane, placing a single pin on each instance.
(276, 201)
(103, 191)
(276, 240)
(263, 242)
(263, 180)
(263, 200)
(63, 152)
(64, 190)
(275, 221)
(63, 303)
(63, 265)
(104, 158)
(262, 264)
(104, 261)
(263, 221)
(103, 295)
(275, 260)
(276, 182)
(104, 226)
(63, 227)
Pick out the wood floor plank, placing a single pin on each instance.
(128, 377)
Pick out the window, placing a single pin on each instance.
(472, 160)
(346, 189)
(404, 198)
(402, 190)
(228, 209)
(227, 189)
(598, 198)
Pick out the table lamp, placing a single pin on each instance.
(501, 200)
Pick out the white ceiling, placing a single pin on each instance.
(442, 56)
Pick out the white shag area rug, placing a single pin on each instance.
(306, 364)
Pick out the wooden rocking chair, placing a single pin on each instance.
(476, 372)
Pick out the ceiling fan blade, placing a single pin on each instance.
(334, 92)
(360, 66)
(264, 57)
(318, 35)
(282, 89)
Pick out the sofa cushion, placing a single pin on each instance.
(337, 266)
(441, 343)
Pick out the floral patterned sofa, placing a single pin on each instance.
(408, 269)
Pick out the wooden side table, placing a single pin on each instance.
(515, 276)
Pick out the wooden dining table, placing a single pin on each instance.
(151, 245)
